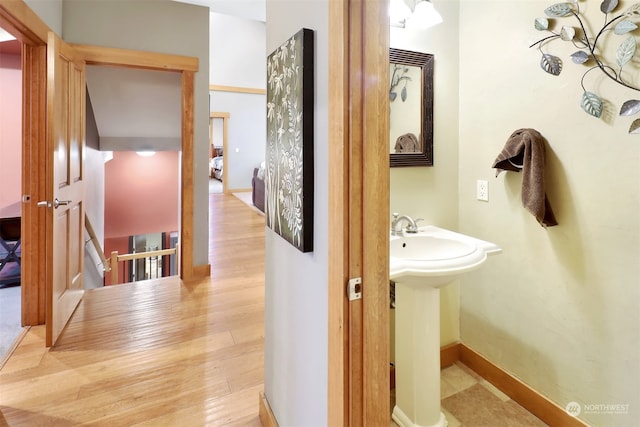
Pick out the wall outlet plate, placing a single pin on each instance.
(482, 190)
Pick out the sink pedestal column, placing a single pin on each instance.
(417, 356)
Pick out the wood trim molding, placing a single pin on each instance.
(201, 271)
(18, 18)
(527, 397)
(238, 89)
(358, 356)
(26, 26)
(338, 211)
(99, 55)
(34, 161)
(238, 190)
(449, 354)
(187, 178)
(374, 188)
(521, 393)
(219, 115)
(187, 66)
(267, 419)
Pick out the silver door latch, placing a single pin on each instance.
(354, 289)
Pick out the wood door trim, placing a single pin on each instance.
(238, 89)
(100, 55)
(338, 271)
(34, 167)
(375, 212)
(358, 201)
(187, 181)
(536, 403)
(187, 66)
(18, 18)
(267, 419)
(26, 26)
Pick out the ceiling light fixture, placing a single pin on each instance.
(399, 11)
(416, 14)
(146, 153)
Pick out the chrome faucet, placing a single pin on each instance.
(411, 224)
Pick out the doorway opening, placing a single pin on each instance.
(133, 115)
(218, 133)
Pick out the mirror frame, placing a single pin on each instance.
(425, 62)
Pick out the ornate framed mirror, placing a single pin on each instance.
(411, 108)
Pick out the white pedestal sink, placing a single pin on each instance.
(421, 264)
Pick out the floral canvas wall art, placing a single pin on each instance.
(289, 156)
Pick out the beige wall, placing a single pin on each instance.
(432, 192)
(559, 308)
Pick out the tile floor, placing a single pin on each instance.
(468, 400)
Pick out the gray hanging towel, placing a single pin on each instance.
(524, 151)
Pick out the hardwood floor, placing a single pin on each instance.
(155, 353)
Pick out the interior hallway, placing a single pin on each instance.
(157, 352)
(162, 352)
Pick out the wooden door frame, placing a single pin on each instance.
(358, 359)
(187, 66)
(17, 18)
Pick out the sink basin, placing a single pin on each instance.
(420, 264)
(435, 256)
(426, 247)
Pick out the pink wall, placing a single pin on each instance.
(10, 129)
(141, 194)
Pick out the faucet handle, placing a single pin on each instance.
(413, 228)
(395, 216)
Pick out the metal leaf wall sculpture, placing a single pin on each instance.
(623, 24)
(399, 75)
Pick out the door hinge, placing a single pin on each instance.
(354, 289)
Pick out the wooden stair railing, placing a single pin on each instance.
(115, 258)
(96, 244)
